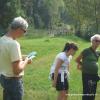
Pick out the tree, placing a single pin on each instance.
(8, 10)
(47, 11)
(86, 13)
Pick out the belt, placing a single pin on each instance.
(5, 77)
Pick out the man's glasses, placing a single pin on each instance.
(23, 30)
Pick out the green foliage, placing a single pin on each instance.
(85, 12)
(36, 82)
(45, 14)
(8, 10)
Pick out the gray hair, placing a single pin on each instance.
(94, 37)
(19, 22)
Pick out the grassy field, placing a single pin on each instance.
(36, 83)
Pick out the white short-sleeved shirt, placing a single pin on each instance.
(64, 66)
(9, 52)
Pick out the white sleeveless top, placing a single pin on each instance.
(64, 66)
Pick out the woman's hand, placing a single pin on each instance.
(79, 67)
(79, 62)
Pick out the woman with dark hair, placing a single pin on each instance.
(60, 70)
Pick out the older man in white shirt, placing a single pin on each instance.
(11, 63)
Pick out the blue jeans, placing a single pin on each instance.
(12, 88)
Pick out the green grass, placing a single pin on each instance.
(36, 83)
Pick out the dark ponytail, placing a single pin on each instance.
(69, 46)
(66, 47)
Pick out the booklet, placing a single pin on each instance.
(32, 55)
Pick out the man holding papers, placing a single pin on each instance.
(11, 63)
